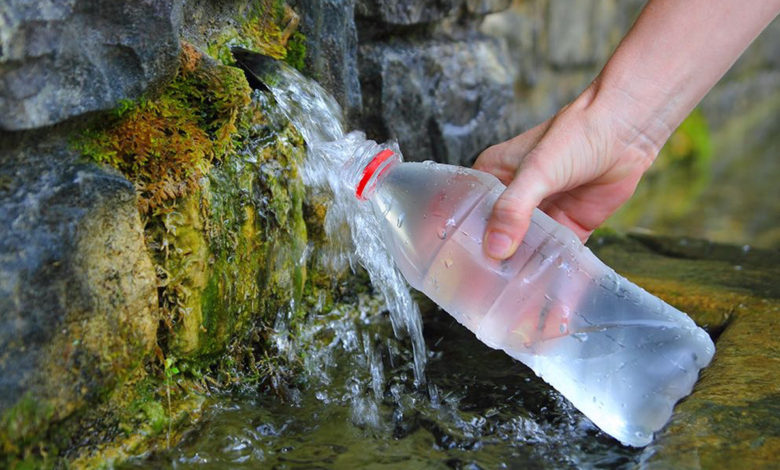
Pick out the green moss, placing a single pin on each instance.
(267, 26)
(218, 181)
(181, 254)
(296, 50)
(22, 424)
(165, 144)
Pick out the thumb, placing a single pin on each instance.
(512, 211)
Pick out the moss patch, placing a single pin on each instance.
(165, 144)
(269, 27)
(223, 202)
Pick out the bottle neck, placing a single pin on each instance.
(374, 171)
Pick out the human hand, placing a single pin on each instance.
(578, 167)
(586, 161)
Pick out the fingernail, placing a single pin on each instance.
(498, 245)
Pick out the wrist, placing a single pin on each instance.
(640, 118)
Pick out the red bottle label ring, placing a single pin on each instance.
(369, 170)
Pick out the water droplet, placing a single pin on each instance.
(581, 337)
(450, 222)
(442, 233)
(565, 311)
(562, 328)
(400, 220)
(448, 262)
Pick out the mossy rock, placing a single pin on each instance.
(222, 211)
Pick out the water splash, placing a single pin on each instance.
(329, 167)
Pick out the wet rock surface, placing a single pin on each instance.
(332, 51)
(78, 298)
(60, 59)
(732, 417)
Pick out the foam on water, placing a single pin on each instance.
(353, 231)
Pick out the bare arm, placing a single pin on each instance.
(583, 163)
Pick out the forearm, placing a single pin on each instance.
(673, 55)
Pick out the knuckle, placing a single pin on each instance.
(509, 209)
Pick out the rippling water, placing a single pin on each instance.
(480, 409)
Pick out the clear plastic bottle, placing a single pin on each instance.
(619, 354)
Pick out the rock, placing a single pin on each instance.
(406, 12)
(442, 100)
(483, 7)
(78, 293)
(732, 416)
(578, 33)
(331, 45)
(63, 59)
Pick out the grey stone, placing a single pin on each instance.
(578, 32)
(483, 7)
(442, 100)
(64, 58)
(407, 12)
(331, 45)
(520, 28)
(78, 297)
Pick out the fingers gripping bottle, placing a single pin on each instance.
(620, 355)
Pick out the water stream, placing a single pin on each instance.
(319, 119)
(377, 391)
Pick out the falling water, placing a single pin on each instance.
(329, 163)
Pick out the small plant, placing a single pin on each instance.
(171, 371)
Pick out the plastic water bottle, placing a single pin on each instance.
(620, 355)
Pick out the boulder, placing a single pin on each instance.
(331, 45)
(78, 293)
(60, 59)
(442, 100)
